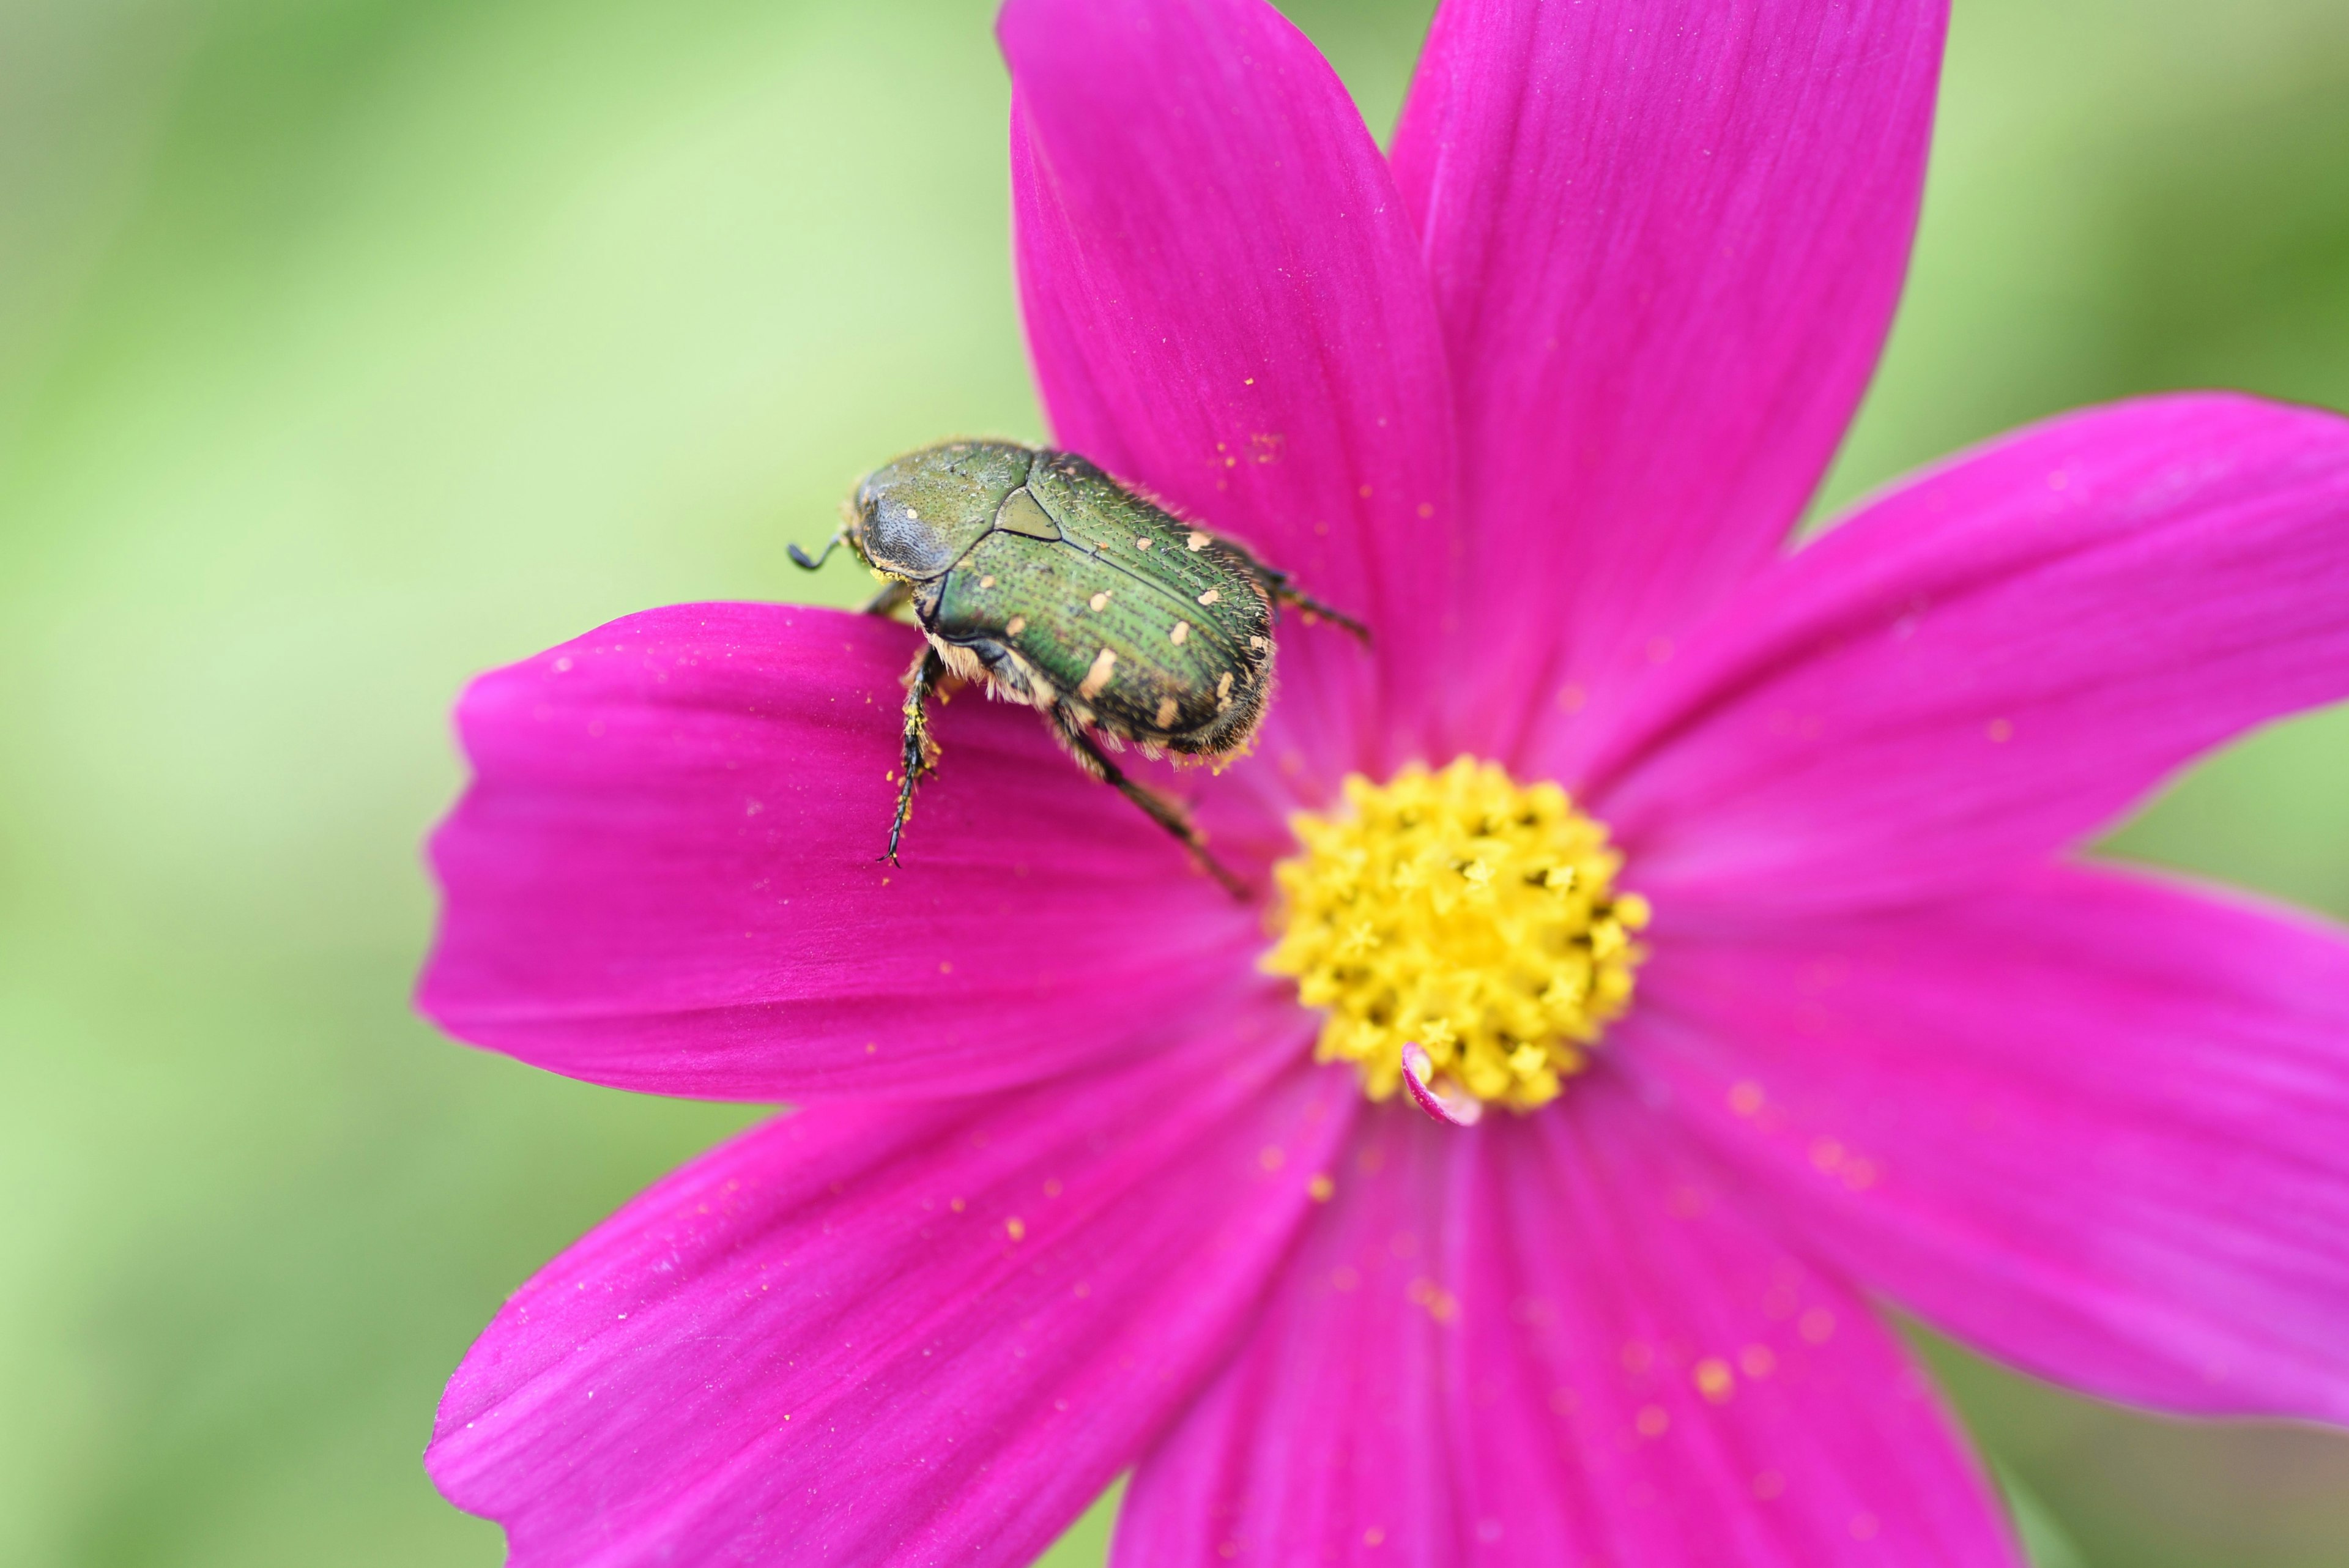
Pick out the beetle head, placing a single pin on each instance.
(917, 517)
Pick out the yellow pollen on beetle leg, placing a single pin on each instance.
(1466, 914)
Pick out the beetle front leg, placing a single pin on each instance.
(890, 599)
(920, 753)
(1164, 813)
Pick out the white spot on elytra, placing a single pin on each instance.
(1211, 596)
(1165, 712)
(1142, 544)
(1199, 541)
(1018, 624)
(1182, 630)
(1098, 676)
(1100, 601)
(987, 582)
(1259, 644)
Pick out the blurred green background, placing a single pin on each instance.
(347, 347)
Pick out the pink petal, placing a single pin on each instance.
(1548, 1341)
(1665, 242)
(1992, 662)
(905, 1334)
(664, 876)
(2095, 1124)
(1226, 304)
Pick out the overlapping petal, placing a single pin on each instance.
(664, 874)
(1992, 662)
(887, 1336)
(1550, 1341)
(2093, 1123)
(1666, 241)
(1226, 304)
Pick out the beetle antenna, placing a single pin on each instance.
(800, 558)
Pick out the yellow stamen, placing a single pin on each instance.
(1467, 914)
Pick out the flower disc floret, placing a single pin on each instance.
(1464, 912)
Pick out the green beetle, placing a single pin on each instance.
(1038, 575)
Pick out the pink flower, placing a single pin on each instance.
(1541, 395)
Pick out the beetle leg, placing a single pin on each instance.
(921, 753)
(1163, 812)
(1277, 585)
(890, 599)
(1281, 591)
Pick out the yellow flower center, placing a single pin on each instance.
(1467, 915)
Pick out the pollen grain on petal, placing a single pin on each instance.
(1463, 934)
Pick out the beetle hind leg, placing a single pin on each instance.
(1278, 585)
(1281, 590)
(919, 756)
(1163, 812)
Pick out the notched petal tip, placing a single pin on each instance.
(1439, 1098)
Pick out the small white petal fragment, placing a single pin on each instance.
(1439, 1098)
